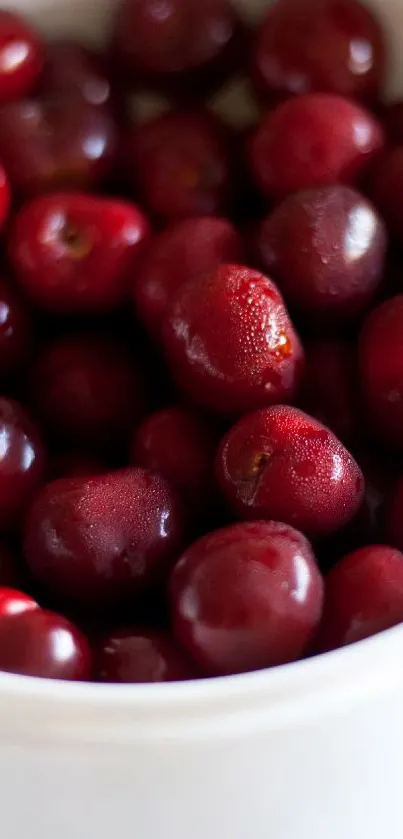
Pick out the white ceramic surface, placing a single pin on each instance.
(308, 751)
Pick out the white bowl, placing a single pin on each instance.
(313, 750)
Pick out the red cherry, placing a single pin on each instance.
(185, 251)
(87, 390)
(74, 70)
(140, 655)
(15, 332)
(179, 162)
(386, 188)
(230, 342)
(311, 141)
(178, 444)
(279, 463)
(62, 143)
(364, 595)
(246, 597)
(187, 48)
(43, 644)
(21, 57)
(381, 369)
(326, 250)
(335, 406)
(21, 462)
(76, 252)
(98, 541)
(334, 46)
(13, 602)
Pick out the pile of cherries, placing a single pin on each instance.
(201, 344)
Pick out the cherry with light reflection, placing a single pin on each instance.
(22, 462)
(21, 57)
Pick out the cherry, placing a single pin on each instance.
(76, 252)
(334, 405)
(334, 46)
(98, 541)
(50, 144)
(230, 342)
(72, 69)
(21, 462)
(180, 164)
(394, 515)
(386, 184)
(21, 57)
(15, 331)
(186, 250)
(13, 602)
(381, 369)
(246, 597)
(312, 141)
(87, 390)
(43, 644)
(326, 249)
(279, 463)
(140, 655)
(184, 48)
(364, 595)
(178, 444)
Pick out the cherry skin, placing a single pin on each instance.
(325, 248)
(21, 57)
(185, 51)
(140, 655)
(180, 445)
(74, 70)
(180, 165)
(15, 332)
(230, 342)
(13, 602)
(87, 390)
(76, 253)
(99, 541)
(249, 606)
(333, 46)
(279, 463)
(185, 251)
(381, 370)
(21, 462)
(386, 183)
(364, 595)
(312, 141)
(335, 406)
(44, 644)
(61, 143)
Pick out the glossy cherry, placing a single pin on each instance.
(246, 597)
(185, 251)
(98, 541)
(230, 342)
(279, 463)
(180, 164)
(334, 46)
(74, 70)
(62, 143)
(75, 252)
(141, 655)
(21, 462)
(364, 595)
(381, 370)
(21, 56)
(13, 602)
(87, 390)
(311, 141)
(44, 644)
(386, 183)
(325, 248)
(185, 49)
(335, 404)
(180, 445)
(15, 331)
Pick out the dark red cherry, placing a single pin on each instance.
(141, 655)
(21, 462)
